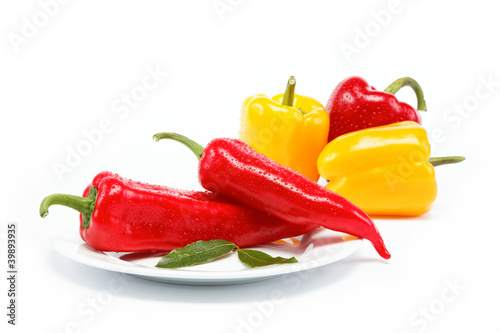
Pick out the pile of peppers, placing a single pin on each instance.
(370, 147)
(262, 187)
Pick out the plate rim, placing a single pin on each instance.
(94, 258)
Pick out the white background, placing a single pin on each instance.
(68, 73)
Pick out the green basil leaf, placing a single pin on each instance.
(196, 253)
(254, 258)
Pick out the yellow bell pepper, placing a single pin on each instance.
(384, 170)
(288, 128)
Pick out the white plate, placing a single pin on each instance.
(316, 248)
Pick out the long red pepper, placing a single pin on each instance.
(120, 215)
(232, 168)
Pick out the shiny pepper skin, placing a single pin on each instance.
(290, 135)
(130, 216)
(238, 171)
(384, 170)
(354, 105)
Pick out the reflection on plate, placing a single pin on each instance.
(316, 248)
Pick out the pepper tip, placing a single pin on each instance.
(43, 213)
(382, 250)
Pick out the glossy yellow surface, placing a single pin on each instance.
(293, 136)
(383, 170)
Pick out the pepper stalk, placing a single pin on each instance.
(436, 161)
(394, 87)
(289, 92)
(289, 95)
(84, 205)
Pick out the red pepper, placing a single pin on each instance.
(120, 215)
(355, 105)
(230, 167)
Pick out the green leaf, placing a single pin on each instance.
(254, 258)
(196, 253)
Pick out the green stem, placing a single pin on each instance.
(289, 92)
(436, 161)
(84, 205)
(195, 147)
(394, 87)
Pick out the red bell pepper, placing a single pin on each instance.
(230, 167)
(354, 105)
(120, 215)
